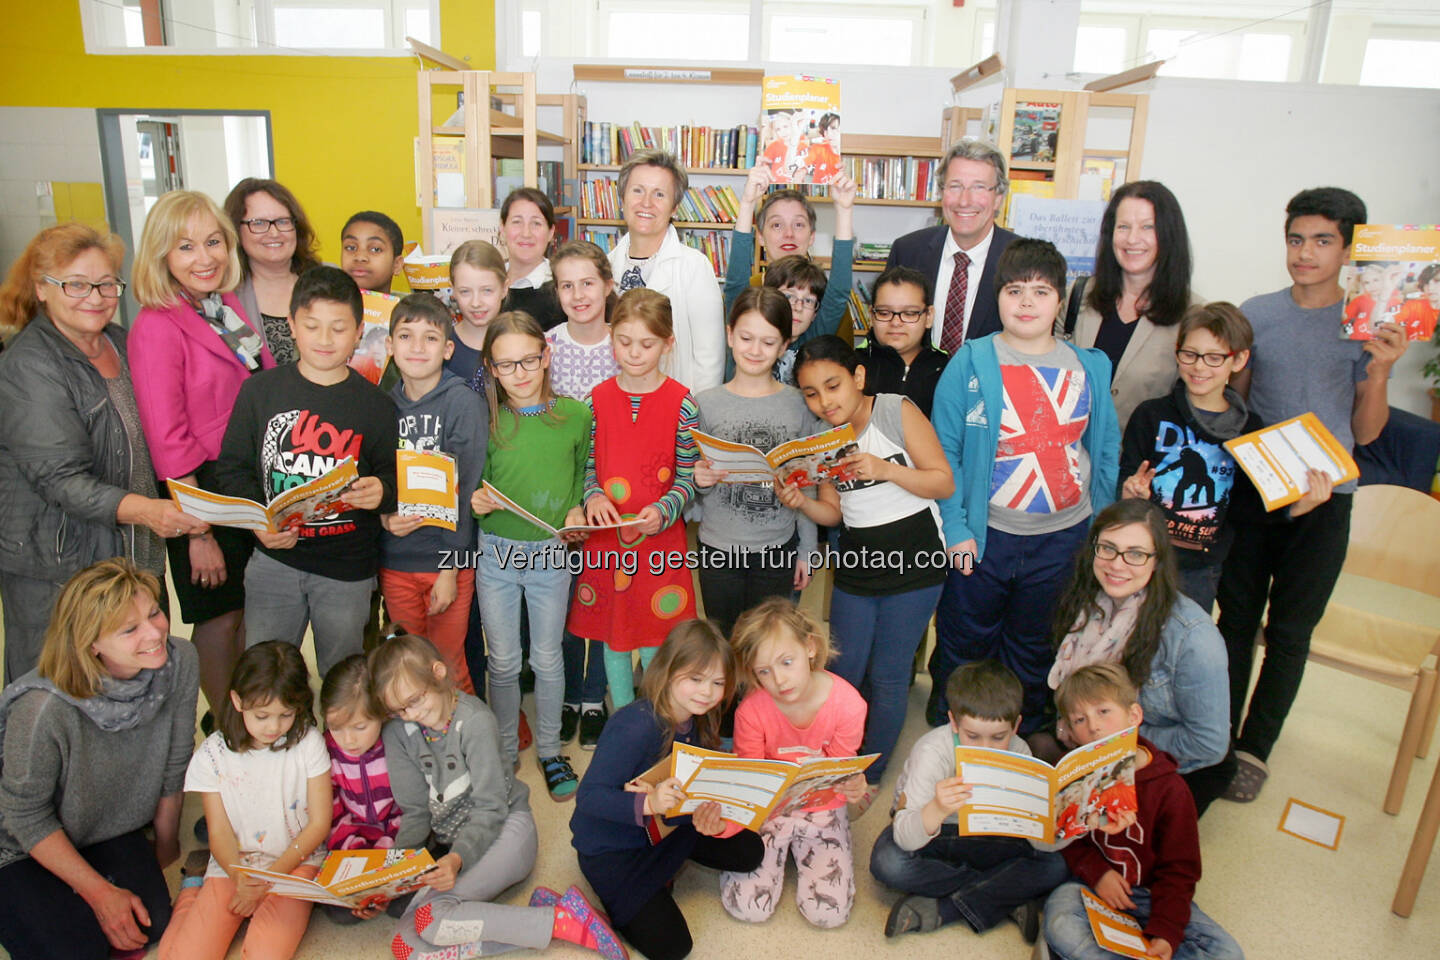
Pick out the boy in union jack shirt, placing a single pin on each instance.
(1031, 434)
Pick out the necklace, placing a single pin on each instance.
(440, 734)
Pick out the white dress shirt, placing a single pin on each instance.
(977, 255)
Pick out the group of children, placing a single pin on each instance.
(580, 426)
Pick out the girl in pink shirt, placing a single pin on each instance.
(796, 709)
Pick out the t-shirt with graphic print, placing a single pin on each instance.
(1041, 479)
(286, 430)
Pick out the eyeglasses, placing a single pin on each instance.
(798, 302)
(1188, 357)
(80, 289)
(960, 189)
(410, 704)
(507, 367)
(259, 226)
(1135, 557)
(908, 315)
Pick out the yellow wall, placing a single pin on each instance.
(343, 126)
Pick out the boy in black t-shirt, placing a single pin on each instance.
(293, 424)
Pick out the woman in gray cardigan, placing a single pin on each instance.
(1132, 307)
(95, 744)
(277, 244)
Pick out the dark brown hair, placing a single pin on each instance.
(1222, 320)
(778, 196)
(796, 271)
(273, 670)
(547, 209)
(347, 688)
(306, 253)
(985, 690)
(1163, 303)
(770, 303)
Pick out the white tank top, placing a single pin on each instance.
(866, 503)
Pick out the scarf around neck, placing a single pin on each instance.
(239, 336)
(1099, 639)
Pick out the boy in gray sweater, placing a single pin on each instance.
(949, 877)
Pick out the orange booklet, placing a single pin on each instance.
(352, 878)
(312, 500)
(426, 485)
(1393, 276)
(373, 350)
(1275, 458)
(1018, 796)
(752, 791)
(1115, 931)
(803, 462)
(507, 504)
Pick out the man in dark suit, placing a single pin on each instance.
(959, 257)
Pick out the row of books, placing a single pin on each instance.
(715, 244)
(600, 199)
(724, 147)
(895, 178)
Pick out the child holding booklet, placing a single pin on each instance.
(420, 575)
(615, 829)
(264, 780)
(1150, 867)
(948, 877)
(798, 709)
(459, 798)
(642, 457)
(748, 537)
(538, 445)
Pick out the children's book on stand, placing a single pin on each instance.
(352, 878)
(1115, 931)
(1393, 276)
(803, 462)
(1036, 131)
(751, 791)
(508, 504)
(428, 486)
(800, 129)
(1276, 458)
(372, 351)
(312, 500)
(1018, 796)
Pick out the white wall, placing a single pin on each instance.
(39, 145)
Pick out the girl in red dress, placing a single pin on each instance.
(636, 583)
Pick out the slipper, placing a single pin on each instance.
(856, 808)
(1250, 774)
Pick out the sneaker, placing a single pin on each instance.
(544, 897)
(560, 779)
(569, 722)
(578, 922)
(526, 737)
(592, 721)
(1027, 918)
(913, 914)
(856, 808)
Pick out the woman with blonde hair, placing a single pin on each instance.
(191, 347)
(76, 473)
(95, 743)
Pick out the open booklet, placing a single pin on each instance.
(1018, 796)
(1115, 931)
(352, 878)
(515, 508)
(1275, 458)
(752, 791)
(803, 462)
(311, 500)
(427, 486)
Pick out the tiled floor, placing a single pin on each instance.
(1279, 896)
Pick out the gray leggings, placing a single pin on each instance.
(498, 927)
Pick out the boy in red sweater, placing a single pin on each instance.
(1148, 863)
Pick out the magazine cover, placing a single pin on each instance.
(1036, 131)
(313, 500)
(372, 351)
(800, 129)
(1393, 276)
(803, 462)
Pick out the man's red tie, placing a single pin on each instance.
(952, 334)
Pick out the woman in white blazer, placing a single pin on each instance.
(652, 255)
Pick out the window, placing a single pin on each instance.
(1101, 49)
(889, 35)
(1401, 63)
(638, 30)
(1232, 40)
(279, 26)
(1208, 53)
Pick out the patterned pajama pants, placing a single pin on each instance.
(820, 842)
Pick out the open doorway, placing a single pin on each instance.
(147, 153)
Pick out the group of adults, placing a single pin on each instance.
(95, 743)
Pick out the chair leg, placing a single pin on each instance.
(1427, 733)
(1410, 739)
(1420, 848)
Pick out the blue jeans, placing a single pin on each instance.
(984, 877)
(535, 569)
(1003, 611)
(877, 638)
(1067, 929)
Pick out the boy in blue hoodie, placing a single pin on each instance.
(425, 572)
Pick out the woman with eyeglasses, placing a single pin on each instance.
(191, 348)
(277, 244)
(75, 471)
(1123, 604)
(1132, 307)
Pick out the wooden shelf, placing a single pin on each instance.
(630, 73)
(678, 224)
(825, 263)
(1032, 165)
(872, 145)
(713, 171)
(544, 136)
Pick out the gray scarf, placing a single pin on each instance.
(239, 336)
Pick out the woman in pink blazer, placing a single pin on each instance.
(191, 348)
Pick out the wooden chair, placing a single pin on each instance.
(1420, 848)
(1383, 619)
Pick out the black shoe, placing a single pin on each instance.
(1027, 918)
(207, 723)
(527, 680)
(202, 831)
(592, 721)
(569, 722)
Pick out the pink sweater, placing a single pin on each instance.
(761, 730)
